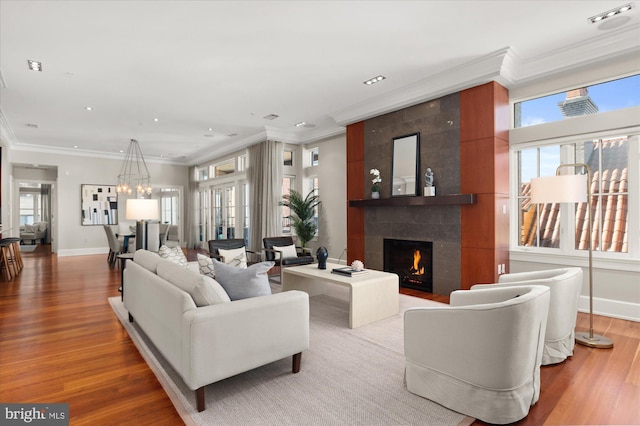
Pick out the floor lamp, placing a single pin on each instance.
(572, 189)
(141, 210)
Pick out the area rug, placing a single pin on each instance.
(28, 248)
(352, 377)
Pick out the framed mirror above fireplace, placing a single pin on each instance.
(406, 165)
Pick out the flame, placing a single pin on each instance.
(417, 269)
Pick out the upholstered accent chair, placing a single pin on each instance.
(480, 355)
(116, 244)
(565, 285)
(273, 251)
(231, 244)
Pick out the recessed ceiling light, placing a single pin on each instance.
(34, 65)
(300, 124)
(609, 13)
(88, 108)
(270, 117)
(232, 135)
(210, 129)
(374, 80)
(31, 125)
(156, 119)
(75, 146)
(122, 150)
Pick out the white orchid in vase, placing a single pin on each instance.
(376, 180)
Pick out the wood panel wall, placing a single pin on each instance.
(355, 191)
(484, 170)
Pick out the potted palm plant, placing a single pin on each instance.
(302, 214)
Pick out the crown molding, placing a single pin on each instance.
(599, 48)
(6, 132)
(88, 153)
(481, 70)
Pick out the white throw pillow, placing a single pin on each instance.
(175, 255)
(147, 259)
(205, 266)
(242, 283)
(234, 257)
(42, 226)
(29, 228)
(204, 290)
(287, 251)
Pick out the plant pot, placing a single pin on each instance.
(375, 195)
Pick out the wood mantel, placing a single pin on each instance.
(438, 200)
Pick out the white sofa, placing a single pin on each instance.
(206, 344)
(565, 285)
(479, 356)
(34, 232)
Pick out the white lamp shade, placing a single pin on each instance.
(559, 189)
(142, 209)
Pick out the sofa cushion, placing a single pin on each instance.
(204, 290)
(30, 228)
(234, 257)
(173, 254)
(205, 266)
(147, 259)
(287, 251)
(243, 283)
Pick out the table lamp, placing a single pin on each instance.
(141, 210)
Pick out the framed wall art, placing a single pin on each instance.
(99, 205)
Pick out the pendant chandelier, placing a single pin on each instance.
(134, 173)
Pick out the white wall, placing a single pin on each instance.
(332, 178)
(73, 170)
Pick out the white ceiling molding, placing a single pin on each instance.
(214, 153)
(481, 70)
(6, 132)
(615, 44)
(88, 153)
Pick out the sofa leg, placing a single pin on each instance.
(297, 358)
(130, 317)
(200, 398)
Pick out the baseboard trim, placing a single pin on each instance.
(611, 308)
(83, 251)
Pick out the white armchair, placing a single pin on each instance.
(480, 355)
(565, 285)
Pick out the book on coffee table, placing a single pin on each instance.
(348, 271)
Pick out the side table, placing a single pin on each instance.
(123, 262)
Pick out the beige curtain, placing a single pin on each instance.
(264, 175)
(191, 234)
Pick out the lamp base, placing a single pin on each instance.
(596, 341)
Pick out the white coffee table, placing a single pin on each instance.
(372, 296)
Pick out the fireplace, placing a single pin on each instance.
(412, 261)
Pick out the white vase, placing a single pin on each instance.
(375, 195)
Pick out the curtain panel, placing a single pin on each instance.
(264, 175)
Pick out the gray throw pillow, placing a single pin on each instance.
(241, 283)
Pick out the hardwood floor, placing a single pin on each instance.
(61, 342)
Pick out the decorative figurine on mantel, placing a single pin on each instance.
(429, 189)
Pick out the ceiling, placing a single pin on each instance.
(211, 71)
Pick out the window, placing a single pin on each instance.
(203, 173)
(314, 186)
(169, 205)
(314, 156)
(245, 213)
(287, 184)
(598, 98)
(224, 169)
(27, 208)
(288, 157)
(242, 163)
(541, 225)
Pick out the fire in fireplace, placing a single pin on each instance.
(411, 261)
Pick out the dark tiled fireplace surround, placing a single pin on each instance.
(439, 127)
